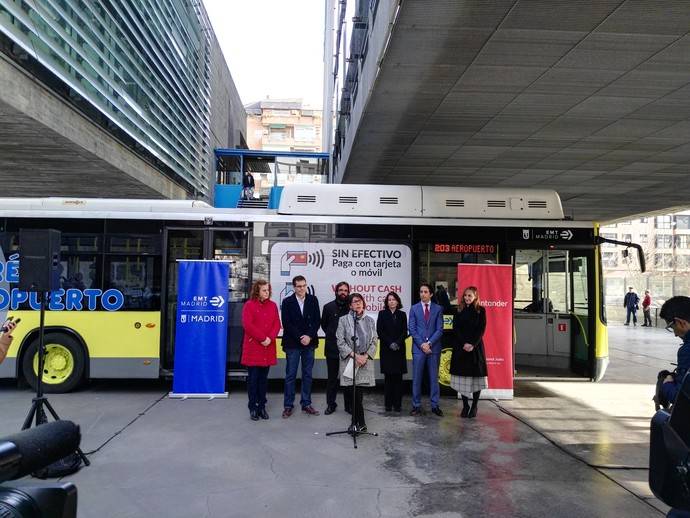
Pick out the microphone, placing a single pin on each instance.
(29, 450)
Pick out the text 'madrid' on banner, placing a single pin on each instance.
(370, 269)
(201, 329)
(494, 283)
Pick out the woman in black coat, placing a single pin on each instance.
(391, 326)
(468, 362)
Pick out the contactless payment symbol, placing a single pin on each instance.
(292, 258)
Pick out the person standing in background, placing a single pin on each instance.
(646, 312)
(301, 318)
(356, 335)
(468, 372)
(426, 329)
(391, 326)
(247, 185)
(630, 303)
(329, 323)
(261, 326)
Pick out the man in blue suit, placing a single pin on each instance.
(301, 319)
(426, 328)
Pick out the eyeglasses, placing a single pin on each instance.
(670, 324)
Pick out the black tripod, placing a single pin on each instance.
(40, 401)
(354, 430)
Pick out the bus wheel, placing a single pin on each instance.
(64, 363)
(444, 373)
(444, 367)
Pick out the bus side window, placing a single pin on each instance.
(133, 266)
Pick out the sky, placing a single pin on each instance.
(272, 47)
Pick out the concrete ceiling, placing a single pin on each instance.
(590, 98)
(37, 161)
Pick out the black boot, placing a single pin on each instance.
(475, 402)
(465, 407)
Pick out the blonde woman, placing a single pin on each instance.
(468, 362)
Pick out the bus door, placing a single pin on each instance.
(206, 243)
(180, 243)
(231, 245)
(542, 317)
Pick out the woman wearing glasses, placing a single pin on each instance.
(356, 336)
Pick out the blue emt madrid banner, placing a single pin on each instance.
(201, 329)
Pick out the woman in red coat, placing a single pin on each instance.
(261, 325)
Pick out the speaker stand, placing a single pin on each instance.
(40, 402)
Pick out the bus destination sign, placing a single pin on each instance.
(556, 235)
(464, 248)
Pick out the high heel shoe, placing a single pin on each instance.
(465, 411)
(473, 411)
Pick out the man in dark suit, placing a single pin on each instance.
(329, 323)
(300, 316)
(426, 328)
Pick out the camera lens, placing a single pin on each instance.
(16, 504)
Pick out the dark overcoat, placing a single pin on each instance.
(392, 327)
(329, 323)
(468, 327)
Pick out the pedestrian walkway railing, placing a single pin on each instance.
(271, 170)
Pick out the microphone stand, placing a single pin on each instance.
(40, 401)
(353, 429)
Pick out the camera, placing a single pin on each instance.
(30, 450)
(669, 452)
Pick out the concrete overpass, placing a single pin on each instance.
(588, 97)
(96, 103)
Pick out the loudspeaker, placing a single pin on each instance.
(39, 259)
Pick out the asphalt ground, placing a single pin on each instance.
(558, 449)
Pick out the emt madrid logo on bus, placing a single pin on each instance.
(71, 299)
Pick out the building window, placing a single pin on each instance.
(663, 241)
(644, 220)
(682, 241)
(663, 261)
(663, 222)
(627, 238)
(683, 222)
(610, 259)
(644, 238)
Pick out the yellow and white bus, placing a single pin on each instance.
(132, 247)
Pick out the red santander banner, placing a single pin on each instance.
(494, 283)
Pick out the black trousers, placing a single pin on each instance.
(257, 382)
(647, 317)
(393, 390)
(358, 406)
(347, 398)
(332, 384)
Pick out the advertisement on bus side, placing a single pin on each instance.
(370, 269)
(70, 299)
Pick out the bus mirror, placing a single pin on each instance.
(627, 244)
